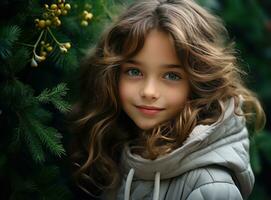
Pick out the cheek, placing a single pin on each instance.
(125, 90)
(177, 98)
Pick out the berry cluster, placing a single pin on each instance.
(52, 14)
(86, 17)
(50, 19)
(45, 48)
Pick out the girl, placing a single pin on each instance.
(163, 110)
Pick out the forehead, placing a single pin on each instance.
(158, 48)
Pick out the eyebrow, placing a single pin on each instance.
(136, 62)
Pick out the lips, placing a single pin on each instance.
(149, 110)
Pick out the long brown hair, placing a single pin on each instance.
(208, 56)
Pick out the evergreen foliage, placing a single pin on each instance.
(41, 44)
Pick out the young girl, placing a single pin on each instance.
(163, 110)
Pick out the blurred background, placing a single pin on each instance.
(41, 45)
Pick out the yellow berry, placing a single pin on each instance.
(46, 6)
(55, 19)
(61, 5)
(45, 15)
(58, 22)
(41, 24)
(39, 58)
(84, 23)
(67, 45)
(64, 12)
(42, 42)
(48, 22)
(49, 49)
(88, 16)
(63, 49)
(58, 12)
(85, 12)
(53, 6)
(67, 6)
(43, 53)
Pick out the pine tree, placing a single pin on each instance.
(41, 44)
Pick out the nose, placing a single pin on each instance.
(150, 90)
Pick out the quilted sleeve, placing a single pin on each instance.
(216, 191)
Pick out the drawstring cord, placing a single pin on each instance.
(129, 183)
(156, 186)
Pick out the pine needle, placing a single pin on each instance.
(55, 96)
(8, 35)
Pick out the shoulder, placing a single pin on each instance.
(210, 183)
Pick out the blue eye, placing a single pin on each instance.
(134, 72)
(172, 76)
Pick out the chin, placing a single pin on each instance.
(146, 127)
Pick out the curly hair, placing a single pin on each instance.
(209, 58)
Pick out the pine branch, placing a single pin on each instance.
(8, 35)
(34, 146)
(16, 95)
(43, 115)
(55, 96)
(38, 135)
(20, 59)
(50, 137)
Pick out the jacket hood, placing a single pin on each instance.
(223, 143)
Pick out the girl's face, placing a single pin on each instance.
(153, 87)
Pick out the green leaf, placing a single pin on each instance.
(8, 35)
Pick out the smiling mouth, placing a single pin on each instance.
(149, 110)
